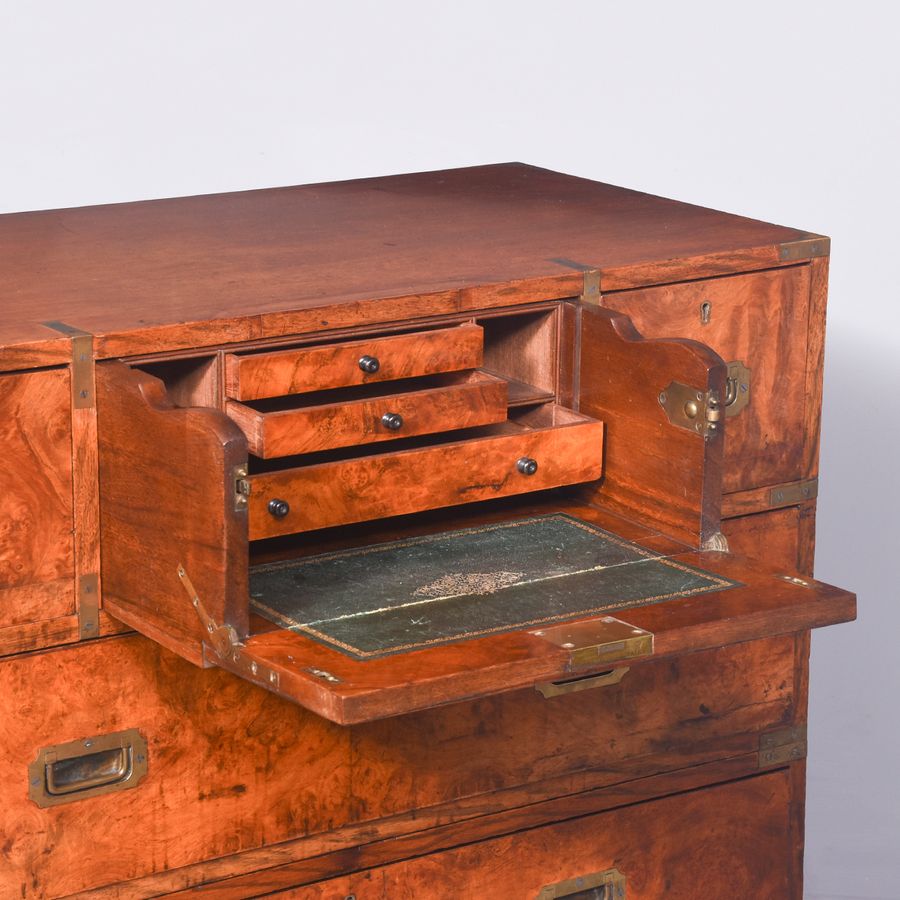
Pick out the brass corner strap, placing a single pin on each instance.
(83, 391)
(89, 605)
(778, 748)
(225, 643)
(591, 291)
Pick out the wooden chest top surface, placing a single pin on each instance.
(445, 241)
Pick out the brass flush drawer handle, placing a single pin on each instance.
(608, 885)
(88, 767)
(549, 689)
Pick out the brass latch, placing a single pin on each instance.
(690, 408)
(737, 388)
(777, 748)
(599, 641)
(241, 487)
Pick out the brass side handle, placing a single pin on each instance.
(737, 388)
(549, 689)
(86, 768)
(608, 885)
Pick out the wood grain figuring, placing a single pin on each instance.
(167, 499)
(657, 471)
(442, 837)
(815, 364)
(37, 554)
(390, 484)
(761, 320)
(229, 767)
(233, 769)
(723, 841)
(465, 401)
(157, 275)
(771, 537)
(281, 372)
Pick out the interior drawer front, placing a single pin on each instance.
(258, 375)
(465, 400)
(391, 484)
(731, 840)
(761, 320)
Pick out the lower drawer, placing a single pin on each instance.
(231, 768)
(733, 840)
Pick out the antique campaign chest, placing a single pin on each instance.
(442, 535)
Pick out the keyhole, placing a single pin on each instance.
(705, 312)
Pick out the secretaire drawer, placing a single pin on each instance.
(543, 448)
(254, 376)
(367, 415)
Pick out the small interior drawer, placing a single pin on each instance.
(370, 414)
(542, 448)
(254, 376)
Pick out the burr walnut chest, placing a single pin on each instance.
(442, 535)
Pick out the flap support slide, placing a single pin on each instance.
(225, 644)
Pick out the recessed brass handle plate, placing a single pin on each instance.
(87, 768)
(608, 885)
(580, 683)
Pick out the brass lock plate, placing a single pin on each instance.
(603, 640)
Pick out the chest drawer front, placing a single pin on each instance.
(390, 484)
(762, 321)
(278, 373)
(232, 768)
(462, 401)
(723, 841)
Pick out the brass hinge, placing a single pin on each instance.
(224, 642)
(691, 408)
(789, 494)
(777, 748)
(600, 641)
(89, 605)
(82, 372)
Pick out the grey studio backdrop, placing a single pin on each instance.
(786, 112)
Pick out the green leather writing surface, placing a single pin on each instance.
(416, 593)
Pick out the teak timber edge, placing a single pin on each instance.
(446, 534)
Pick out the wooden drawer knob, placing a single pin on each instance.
(279, 508)
(392, 421)
(369, 364)
(526, 465)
